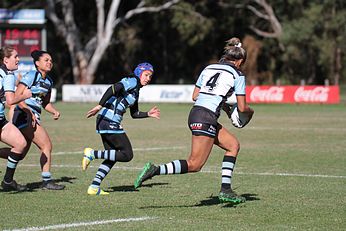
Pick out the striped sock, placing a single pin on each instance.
(102, 172)
(12, 161)
(227, 171)
(174, 167)
(105, 154)
(46, 176)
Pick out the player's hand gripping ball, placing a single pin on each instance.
(239, 119)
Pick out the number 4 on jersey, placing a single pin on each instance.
(212, 81)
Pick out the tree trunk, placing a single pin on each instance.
(85, 59)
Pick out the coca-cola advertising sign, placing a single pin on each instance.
(293, 94)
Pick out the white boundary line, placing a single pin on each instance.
(203, 171)
(73, 225)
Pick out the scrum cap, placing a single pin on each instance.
(143, 67)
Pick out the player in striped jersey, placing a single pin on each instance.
(9, 134)
(214, 85)
(111, 108)
(27, 114)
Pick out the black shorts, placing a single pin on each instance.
(104, 126)
(21, 119)
(203, 122)
(3, 122)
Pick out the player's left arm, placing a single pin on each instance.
(136, 114)
(48, 106)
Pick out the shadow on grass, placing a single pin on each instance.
(210, 201)
(38, 185)
(214, 200)
(130, 188)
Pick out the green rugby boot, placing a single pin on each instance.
(147, 173)
(230, 197)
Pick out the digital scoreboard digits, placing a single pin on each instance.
(23, 40)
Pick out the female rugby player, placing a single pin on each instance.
(111, 108)
(214, 85)
(27, 114)
(9, 134)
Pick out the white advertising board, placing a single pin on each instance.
(150, 93)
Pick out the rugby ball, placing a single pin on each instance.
(238, 119)
(231, 100)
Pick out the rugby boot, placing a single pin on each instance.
(230, 196)
(13, 186)
(87, 158)
(147, 173)
(96, 191)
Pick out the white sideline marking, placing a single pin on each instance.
(72, 225)
(204, 171)
(135, 149)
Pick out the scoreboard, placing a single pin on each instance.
(23, 40)
(25, 31)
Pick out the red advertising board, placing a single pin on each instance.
(293, 94)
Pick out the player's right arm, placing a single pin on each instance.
(195, 93)
(111, 91)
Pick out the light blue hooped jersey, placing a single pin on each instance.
(7, 83)
(216, 83)
(116, 106)
(39, 87)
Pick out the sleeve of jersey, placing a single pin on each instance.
(239, 85)
(111, 91)
(129, 83)
(136, 114)
(9, 82)
(199, 81)
(28, 79)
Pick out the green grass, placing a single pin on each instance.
(291, 168)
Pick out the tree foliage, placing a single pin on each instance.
(290, 40)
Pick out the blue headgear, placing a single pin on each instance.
(143, 67)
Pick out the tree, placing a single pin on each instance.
(86, 57)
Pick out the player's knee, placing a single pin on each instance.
(20, 145)
(125, 156)
(129, 157)
(233, 148)
(236, 147)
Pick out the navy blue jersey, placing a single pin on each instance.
(111, 115)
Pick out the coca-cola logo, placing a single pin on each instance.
(317, 94)
(272, 94)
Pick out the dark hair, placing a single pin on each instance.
(5, 51)
(36, 54)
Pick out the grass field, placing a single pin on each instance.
(291, 168)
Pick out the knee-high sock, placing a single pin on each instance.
(174, 167)
(102, 172)
(105, 154)
(228, 164)
(12, 161)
